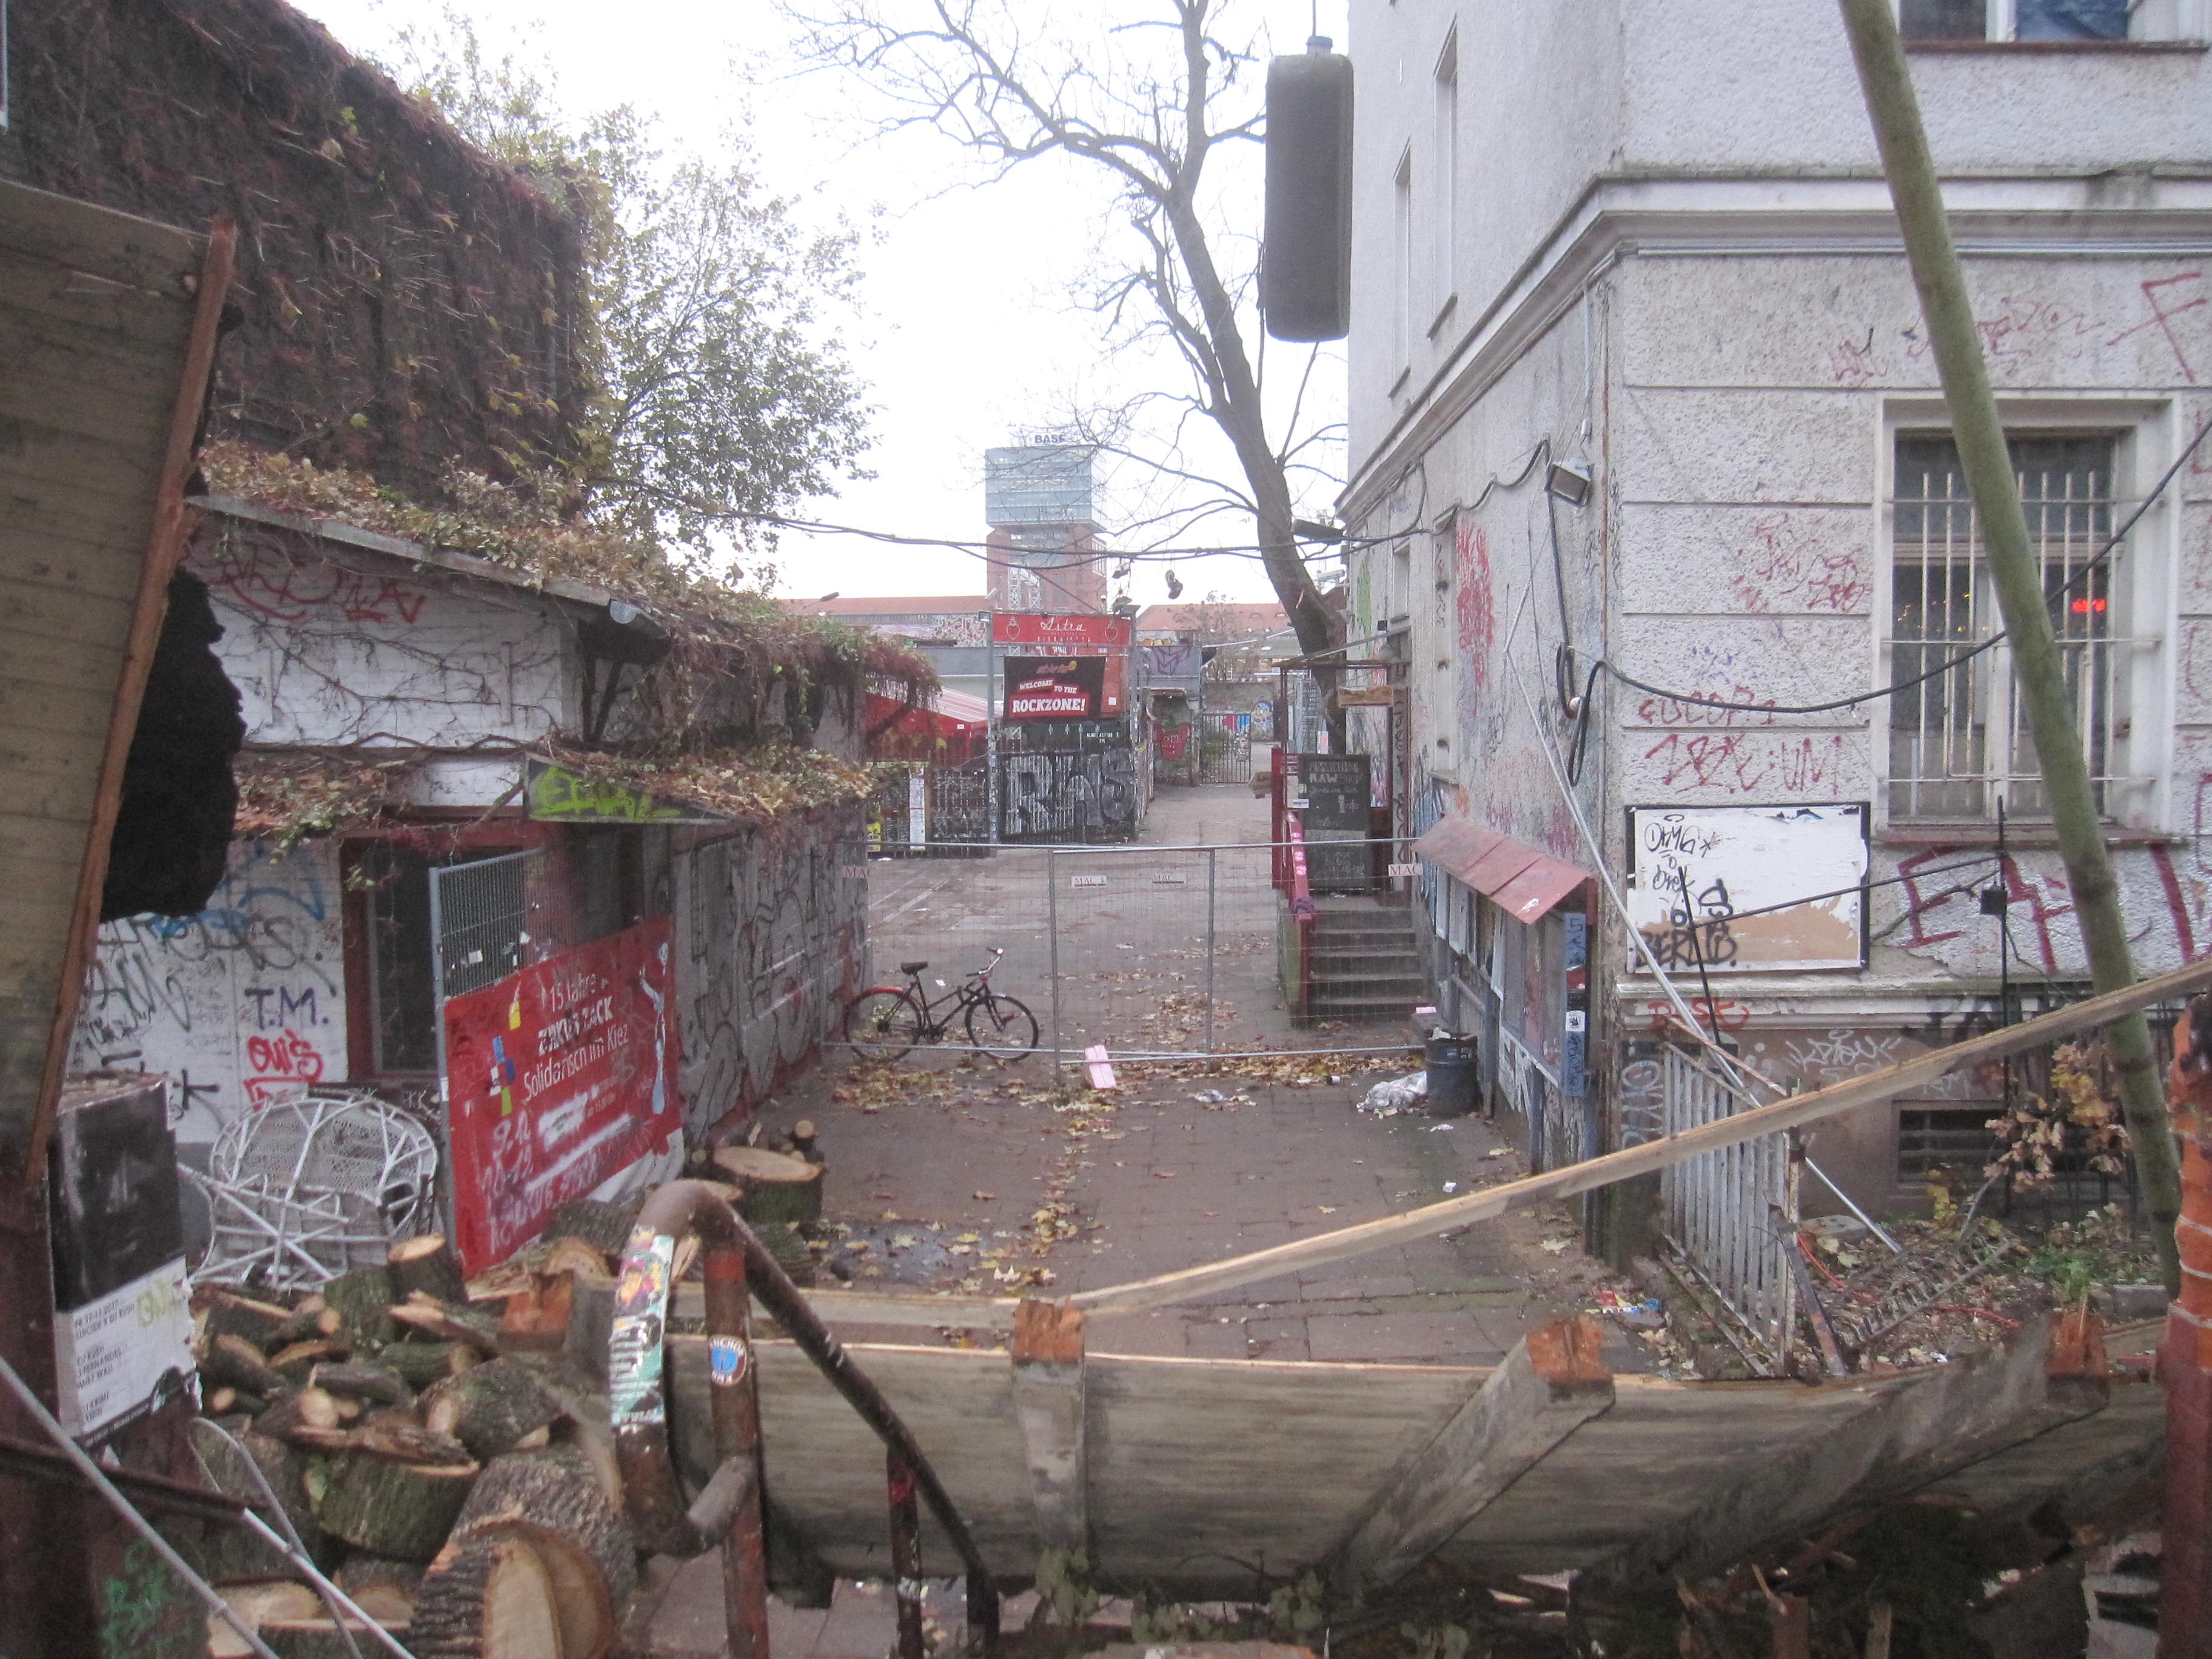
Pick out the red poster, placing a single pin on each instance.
(557, 1078)
(1079, 634)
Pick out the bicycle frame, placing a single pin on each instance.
(975, 989)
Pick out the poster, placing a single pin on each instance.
(557, 1078)
(1056, 688)
(1749, 889)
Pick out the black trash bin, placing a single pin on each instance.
(1454, 1075)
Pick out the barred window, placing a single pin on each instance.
(1959, 742)
(2015, 20)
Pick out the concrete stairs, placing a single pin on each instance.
(1365, 964)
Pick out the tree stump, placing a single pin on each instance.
(777, 1186)
(390, 1508)
(553, 1500)
(362, 1300)
(427, 1264)
(487, 1598)
(489, 1408)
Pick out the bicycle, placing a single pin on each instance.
(887, 1022)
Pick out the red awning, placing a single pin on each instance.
(1523, 881)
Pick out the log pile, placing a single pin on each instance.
(437, 1446)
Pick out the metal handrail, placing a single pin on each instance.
(734, 1262)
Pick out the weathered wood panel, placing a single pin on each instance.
(107, 331)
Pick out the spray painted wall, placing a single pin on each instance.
(247, 996)
(771, 938)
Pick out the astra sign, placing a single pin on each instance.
(1082, 634)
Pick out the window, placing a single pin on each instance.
(1443, 230)
(2015, 20)
(403, 1028)
(1402, 320)
(1959, 742)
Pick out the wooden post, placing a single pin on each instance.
(2038, 674)
(906, 1552)
(1549, 1386)
(733, 1378)
(1048, 1399)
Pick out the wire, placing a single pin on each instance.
(2103, 553)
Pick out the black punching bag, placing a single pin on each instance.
(1305, 253)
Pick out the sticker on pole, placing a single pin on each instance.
(634, 1347)
(727, 1361)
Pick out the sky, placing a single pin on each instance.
(966, 332)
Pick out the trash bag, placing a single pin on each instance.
(1402, 1094)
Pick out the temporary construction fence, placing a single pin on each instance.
(1166, 953)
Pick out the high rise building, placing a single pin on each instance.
(1044, 551)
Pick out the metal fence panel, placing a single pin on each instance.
(1160, 950)
(1732, 1214)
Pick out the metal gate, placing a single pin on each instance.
(1224, 746)
(1732, 1215)
(479, 928)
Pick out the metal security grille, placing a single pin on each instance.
(1959, 745)
(480, 921)
(1224, 746)
(1732, 1215)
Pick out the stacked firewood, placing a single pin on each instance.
(442, 1448)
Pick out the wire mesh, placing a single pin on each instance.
(1170, 952)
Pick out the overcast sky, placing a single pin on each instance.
(967, 332)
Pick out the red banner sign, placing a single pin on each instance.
(557, 1078)
(1084, 634)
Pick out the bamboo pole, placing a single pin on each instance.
(1894, 111)
(1792, 1113)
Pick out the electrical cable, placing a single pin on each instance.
(122, 1505)
(2112, 542)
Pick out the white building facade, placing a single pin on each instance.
(1648, 241)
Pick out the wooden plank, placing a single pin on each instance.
(842, 1309)
(163, 548)
(1931, 1423)
(1797, 1110)
(1050, 1402)
(1548, 1387)
(120, 246)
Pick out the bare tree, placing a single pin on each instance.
(993, 75)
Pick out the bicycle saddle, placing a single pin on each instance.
(912, 967)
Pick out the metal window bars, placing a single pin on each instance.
(1959, 744)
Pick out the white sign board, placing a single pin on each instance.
(112, 1352)
(1749, 889)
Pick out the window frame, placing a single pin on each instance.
(1404, 257)
(2144, 433)
(2152, 23)
(1444, 223)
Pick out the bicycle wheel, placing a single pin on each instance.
(1002, 1027)
(883, 1023)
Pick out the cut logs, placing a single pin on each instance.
(777, 1186)
(419, 1364)
(427, 1264)
(294, 1363)
(378, 1384)
(604, 1227)
(447, 1322)
(258, 1322)
(490, 1407)
(318, 1638)
(390, 1508)
(257, 1605)
(487, 1598)
(232, 1362)
(553, 1501)
(362, 1299)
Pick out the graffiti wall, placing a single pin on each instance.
(771, 939)
(1068, 797)
(246, 997)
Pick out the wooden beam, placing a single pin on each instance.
(841, 1309)
(1050, 1402)
(1915, 1430)
(164, 547)
(1549, 1386)
(1431, 1219)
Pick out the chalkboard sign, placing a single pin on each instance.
(1336, 792)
